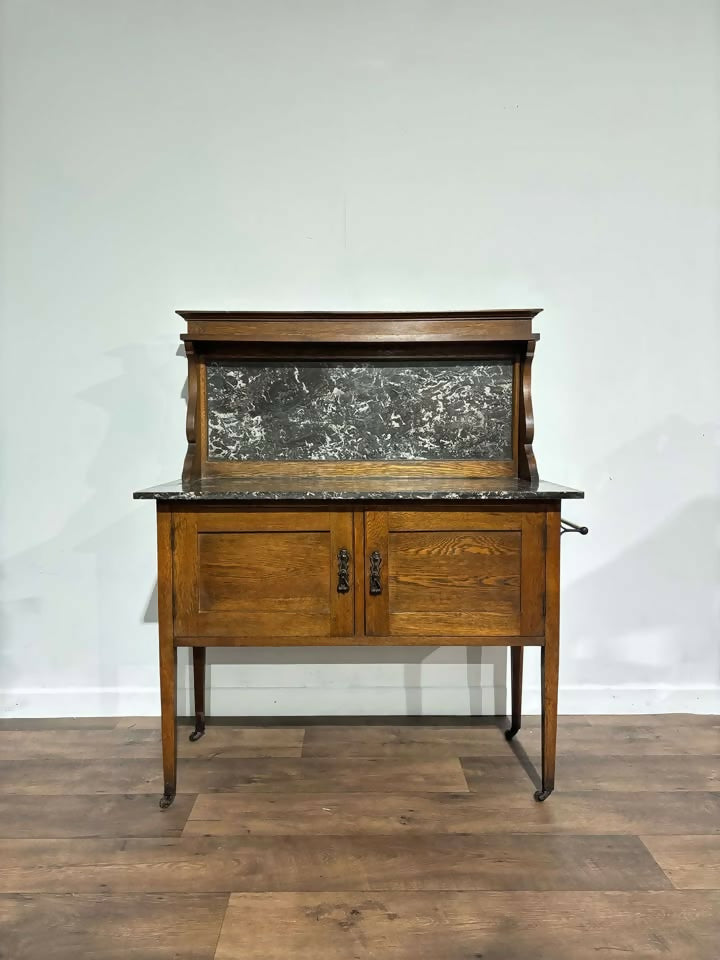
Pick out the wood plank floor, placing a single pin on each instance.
(352, 840)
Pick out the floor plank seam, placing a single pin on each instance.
(222, 924)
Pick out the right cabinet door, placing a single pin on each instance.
(454, 573)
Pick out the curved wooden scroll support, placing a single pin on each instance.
(527, 466)
(191, 466)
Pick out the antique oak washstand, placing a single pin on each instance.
(359, 478)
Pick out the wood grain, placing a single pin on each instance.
(223, 774)
(84, 743)
(654, 720)
(298, 351)
(427, 517)
(88, 744)
(527, 465)
(266, 564)
(457, 573)
(427, 862)
(252, 574)
(536, 532)
(641, 774)
(420, 743)
(168, 652)
(199, 659)
(377, 614)
(461, 625)
(471, 638)
(42, 816)
(516, 687)
(642, 739)
(243, 742)
(129, 927)
(421, 592)
(628, 736)
(419, 469)
(455, 553)
(59, 723)
(550, 653)
(357, 569)
(361, 330)
(193, 418)
(691, 862)
(339, 814)
(137, 723)
(457, 926)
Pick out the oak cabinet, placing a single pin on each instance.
(444, 575)
(359, 478)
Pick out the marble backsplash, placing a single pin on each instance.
(352, 410)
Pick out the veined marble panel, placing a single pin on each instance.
(348, 410)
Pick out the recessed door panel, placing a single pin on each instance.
(455, 574)
(263, 574)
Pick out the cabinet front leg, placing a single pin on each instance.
(168, 708)
(550, 654)
(549, 670)
(516, 670)
(198, 654)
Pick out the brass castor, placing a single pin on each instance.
(199, 727)
(541, 795)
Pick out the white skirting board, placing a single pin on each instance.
(355, 701)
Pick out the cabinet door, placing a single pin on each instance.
(454, 573)
(255, 574)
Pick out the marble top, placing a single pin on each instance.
(357, 488)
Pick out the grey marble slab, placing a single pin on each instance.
(357, 488)
(353, 410)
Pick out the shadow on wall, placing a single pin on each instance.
(485, 669)
(651, 613)
(641, 616)
(66, 595)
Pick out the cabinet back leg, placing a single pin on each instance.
(198, 655)
(516, 671)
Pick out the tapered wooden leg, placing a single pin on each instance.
(549, 670)
(168, 723)
(168, 654)
(516, 671)
(550, 655)
(198, 654)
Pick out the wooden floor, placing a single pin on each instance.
(351, 840)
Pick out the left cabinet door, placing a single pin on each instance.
(262, 573)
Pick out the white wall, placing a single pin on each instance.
(360, 154)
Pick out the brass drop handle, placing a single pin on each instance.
(375, 581)
(343, 585)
